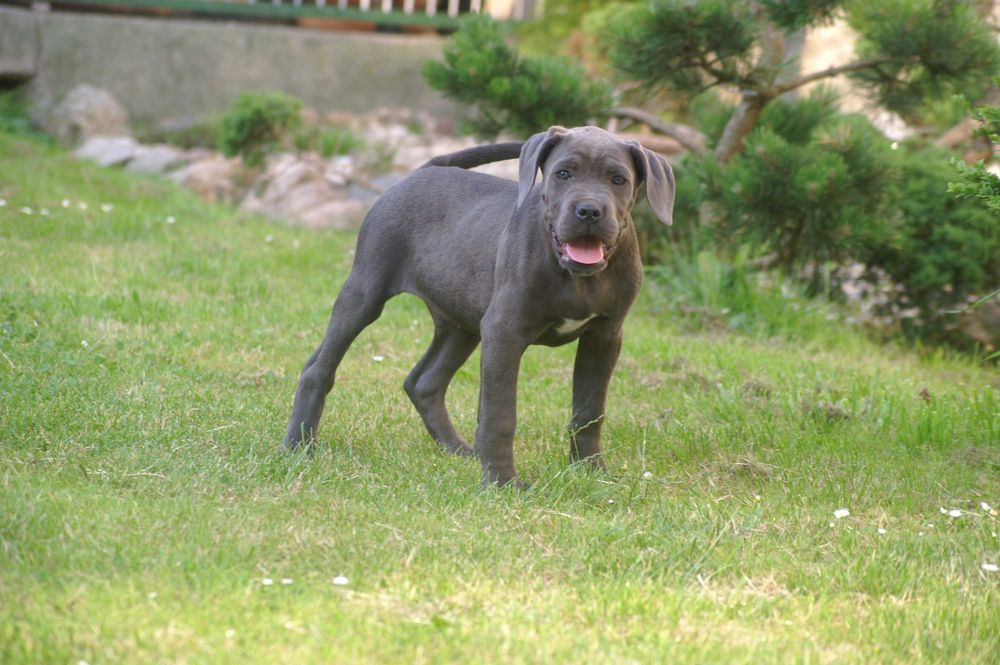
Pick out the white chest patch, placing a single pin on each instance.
(569, 326)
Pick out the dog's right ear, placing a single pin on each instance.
(533, 155)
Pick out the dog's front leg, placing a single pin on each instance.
(596, 356)
(500, 363)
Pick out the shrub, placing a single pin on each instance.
(975, 182)
(328, 141)
(257, 123)
(521, 95)
(943, 250)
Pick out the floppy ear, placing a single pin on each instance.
(659, 178)
(533, 154)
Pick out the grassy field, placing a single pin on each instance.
(149, 347)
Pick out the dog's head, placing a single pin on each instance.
(590, 181)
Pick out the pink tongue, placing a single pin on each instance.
(586, 250)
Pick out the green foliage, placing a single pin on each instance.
(796, 121)
(685, 46)
(795, 14)
(202, 134)
(257, 123)
(327, 140)
(520, 95)
(975, 182)
(943, 249)
(14, 117)
(924, 49)
(807, 202)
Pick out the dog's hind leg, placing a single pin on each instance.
(358, 305)
(428, 382)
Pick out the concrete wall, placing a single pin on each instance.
(172, 72)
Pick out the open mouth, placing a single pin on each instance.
(584, 251)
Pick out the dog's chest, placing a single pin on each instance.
(570, 326)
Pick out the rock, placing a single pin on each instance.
(87, 112)
(982, 324)
(339, 171)
(296, 189)
(211, 178)
(335, 213)
(108, 150)
(158, 158)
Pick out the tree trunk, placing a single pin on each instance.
(740, 124)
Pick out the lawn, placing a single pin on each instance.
(149, 348)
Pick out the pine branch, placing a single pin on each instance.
(870, 63)
(689, 137)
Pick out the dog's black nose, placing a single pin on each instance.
(588, 212)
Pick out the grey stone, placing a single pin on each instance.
(211, 178)
(295, 188)
(108, 150)
(87, 112)
(156, 158)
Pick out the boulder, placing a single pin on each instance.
(108, 150)
(158, 158)
(87, 112)
(212, 178)
(297, 189)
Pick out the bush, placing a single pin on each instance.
(518, 94)
(257, 123)
(328, 141)
(14, 114)
(943, 250)
(806, 190)
(975, 182)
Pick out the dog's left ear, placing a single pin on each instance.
(533, 154)
(659, 178)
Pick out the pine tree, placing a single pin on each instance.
(908, 51)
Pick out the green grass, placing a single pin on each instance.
(143, 499)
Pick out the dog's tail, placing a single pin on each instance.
(478, 155)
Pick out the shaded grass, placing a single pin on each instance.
(143, 499)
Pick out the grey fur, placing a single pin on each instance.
(488, 256)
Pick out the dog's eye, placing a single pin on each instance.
(562, 174)
(619, 180)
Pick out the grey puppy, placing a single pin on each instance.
(508, 265)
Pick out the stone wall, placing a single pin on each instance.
(174, 72)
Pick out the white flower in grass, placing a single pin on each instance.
(340, 580)
(269, 238)
(990, 567)
(267, 581)
(84, 343)
(378, 359)
(841, 513)
(65, 203)
(3, 202)
(646, 475)
(833, 524)
(151, 595)
(920, 533)
(27, 211)
(230, 633)
(82, 205)
(286, 580)
(106, 207)
(881, 531)
(954, 513)
(43, 211)
(171, 219)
